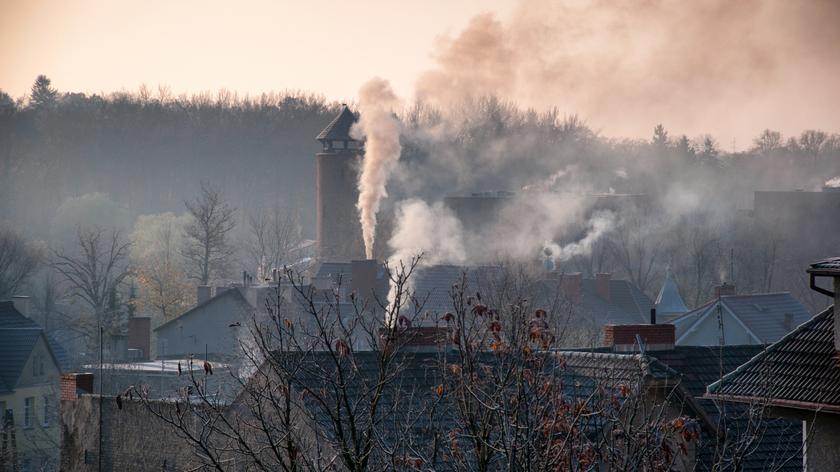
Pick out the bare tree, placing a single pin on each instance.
(18, 262)
(207, 249)
(274, 235)
(95, 269)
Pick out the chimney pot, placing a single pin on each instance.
(202, 294)
(724, 289)
(570, 286)
(602, 285)
(72, 383)
(139, 335)
(653, 316)
(363, 277)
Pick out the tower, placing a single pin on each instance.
(337, 226)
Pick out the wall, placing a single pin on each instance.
(707, 333)
(209, 324)
(132, 438)
(38, 443)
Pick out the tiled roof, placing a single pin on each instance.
(763, 314)
(15, 347)
(339, 127)
(799, 371)
(11, 318)
(830, 265)
(433, 285)
(627, 304)
(697, 367)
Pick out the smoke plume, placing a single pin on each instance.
(599, 225)
(428, 229)
(697, 67)
(380, 129)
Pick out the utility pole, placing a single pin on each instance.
(99, 456)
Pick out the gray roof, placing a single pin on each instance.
(16, 345)
(763, 314)
(433, 284)
(11, 318)
(230, 292)
(669, 300)
(339, 127)
(798, 371)
(830, 265)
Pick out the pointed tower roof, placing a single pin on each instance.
(669, 300)
(339, 128)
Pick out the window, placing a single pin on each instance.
(2, 415)
(45, 421)
(38, 365)
(28, 411)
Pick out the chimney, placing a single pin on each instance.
(602, 285)
(570, 286)
(202, 294)
(622, 338)
(139, 335)
(420, 339)
(724, 290)
(21, 303)
(653, 316)
(363, 277)
(74, 384)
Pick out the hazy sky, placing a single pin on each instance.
(729, 68)
(327, 46)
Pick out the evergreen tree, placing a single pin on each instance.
(43, 94)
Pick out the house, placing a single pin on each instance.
(217, 324)
(29, 379)
(798, 377)
(738, 437)
(761, 318)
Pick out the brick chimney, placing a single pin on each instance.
(602, 285)
(622, 338)
(202, 294)
(421, 339)
(363, 277)
(73, 384)
(139, 335)
(724, 290)
(570, 286)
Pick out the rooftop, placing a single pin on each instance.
(799, 371)
(339, 127)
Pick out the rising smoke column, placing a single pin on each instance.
(381, 130)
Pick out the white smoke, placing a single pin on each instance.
(599, 225)
(428, 229)
(833, 183)
(380, 129)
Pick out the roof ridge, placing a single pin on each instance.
(771, 348)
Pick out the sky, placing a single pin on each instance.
(726, 68)
(328, 46)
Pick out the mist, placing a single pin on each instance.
(699, 67)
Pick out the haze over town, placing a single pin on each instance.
(512, 235)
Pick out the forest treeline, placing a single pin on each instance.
(149, 150)
(71, 159)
